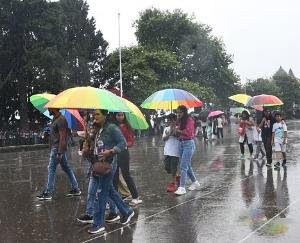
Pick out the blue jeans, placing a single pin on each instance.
(91, 196)
(187, 149)
(105, 191)
(52, 170)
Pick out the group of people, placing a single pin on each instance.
(211, 128)
(270, 130)
(106, 148)
(108, 145)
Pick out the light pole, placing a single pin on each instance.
(120, 58)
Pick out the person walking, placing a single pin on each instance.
(186, 133)
(258, 142)
(279, 139)
(266, 125)
(58, 155)
(171, 151)
(123, 157)
(246, 133)
(220, 123)
(109, 141)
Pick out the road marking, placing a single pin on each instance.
(163, 211)
(253, 232)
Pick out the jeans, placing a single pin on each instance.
(91, 196)
(52, 170)
(220, 132)
(187, 149)
(123, 164)
(105, 191)
(259, 149)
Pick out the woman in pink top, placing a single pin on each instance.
(186, 133)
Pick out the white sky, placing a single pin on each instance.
(260, 34)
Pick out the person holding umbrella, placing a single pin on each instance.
(186, 133)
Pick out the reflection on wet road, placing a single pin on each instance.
(240, 200)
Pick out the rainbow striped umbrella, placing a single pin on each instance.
(169, 99)
(135, 118)
(75, 121)
(88, 98)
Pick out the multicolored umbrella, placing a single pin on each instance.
(88, 98)
(75, 121)
(169, 99)
(215, 113)
(135, 118)
(264, 100)
(240, 98)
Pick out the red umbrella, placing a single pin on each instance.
(215, 113)
(264, 100)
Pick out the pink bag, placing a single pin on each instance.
(242, 130)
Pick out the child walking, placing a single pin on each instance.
(258, 142)
(171, 151)
(279, 139)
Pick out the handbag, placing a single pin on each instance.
(101, 168)
(242, 130)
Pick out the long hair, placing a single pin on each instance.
(184, 118)
(125, 121)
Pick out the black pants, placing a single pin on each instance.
(250, 146)
(204, 132)
(220, 132)
(123, 164)
(267, 140)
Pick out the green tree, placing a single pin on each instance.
(203, 57)
(143, 71)
(262, 86)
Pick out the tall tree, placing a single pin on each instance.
(203, 57)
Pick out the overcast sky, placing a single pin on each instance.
(260, 34)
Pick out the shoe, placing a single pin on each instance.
(283, 163)
(277, 165)
(269, 164)
(135, 201)
(112, 218)
(44, 196)
(96, 229)
(126, 219)
(171, 187)
(242, 156)
(255, 159)
(194, 186)
(85, 219)
(180, 191)
(107, 206)
(74, 192)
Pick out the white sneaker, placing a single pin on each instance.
(194, 186)
(135, 201)
(180, 191)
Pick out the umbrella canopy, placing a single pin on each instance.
(264, 100)
(238, 110)
(169, 99)
(215, 113)
(75, 121)
(240, 98)
(135, 118)
(88, 98)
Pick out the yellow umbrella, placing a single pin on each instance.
(88, 98)
(240, 98)
(135, 118)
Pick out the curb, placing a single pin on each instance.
(23, 148)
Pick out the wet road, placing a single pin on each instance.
(239, 201)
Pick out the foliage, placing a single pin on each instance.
(45, 46)
(203, 57)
